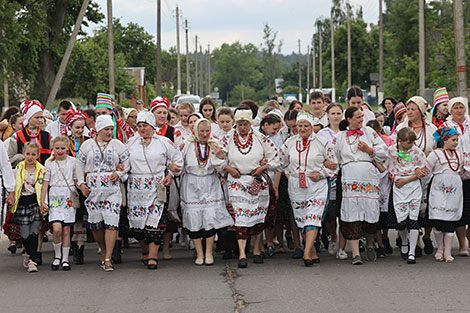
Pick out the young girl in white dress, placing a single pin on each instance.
(61, 178)
(445, 193)
(404, 161)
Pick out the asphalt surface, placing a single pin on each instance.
(281, 284)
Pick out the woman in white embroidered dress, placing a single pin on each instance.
(416, 110)
(149, 155)
(202, 198)
(460, 121)
(302, 157)
(98, 178)
(248, 190)
(445, 193)
(357, 148)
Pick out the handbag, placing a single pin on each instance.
(255, 187)
(161, 189)
(73, 193)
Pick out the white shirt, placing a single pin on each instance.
(437, 162)
(426, 143)
(191, 164)
(398, 167)
(159, 153)
(53, 172)
(311, 159)
(6, 170)
(91, 160)
(262, 147)
(349, 152)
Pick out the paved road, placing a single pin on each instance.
(280, 285)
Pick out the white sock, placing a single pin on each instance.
(448, 237)
(65, 254)
(404, 240)
(414, 233)
(57, 253)
(57, 249)
(440, 241)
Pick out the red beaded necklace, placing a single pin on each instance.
(448, 161)
(241, 146)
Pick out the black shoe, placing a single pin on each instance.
(398, 242)
(411, 259)
(73, 248)
(308, 263)
(78, 258)
(228, 255)
(152, 266)
(12, 249)
(66, 266)
(404, 256)
(380, 252)
(316, 261)
(418, 252)
(258, 259)
(388, 250)
(117, 259)
(428, 248)
(271, 251)
(263, 255)
(55, 267)
(38, 258)
(242, 263)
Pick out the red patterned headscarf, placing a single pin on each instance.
(74, 115)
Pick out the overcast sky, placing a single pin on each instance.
(216, 22)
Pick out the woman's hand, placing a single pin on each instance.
(420, 172)
(263, 162)
(364, 147)
(258, 171)
(232, 171)
(218, 151)
(168, 179)
(315, 176)
(10, 200)
(120, 167)
(400, 182)
(330, 165)
(85, 190)
(44, 208)
(276, 193)
(114, 177)
(174, 168)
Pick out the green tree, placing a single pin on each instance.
(270, 51)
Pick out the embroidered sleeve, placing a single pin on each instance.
(329, 156)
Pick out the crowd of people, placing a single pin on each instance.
(239, 181)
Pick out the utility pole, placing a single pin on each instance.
(349, 45)
(159, 48)
(6, 103)
(186, 28)
(63, 63)
(308, 73)
(332, 30)
(178, 56)
(201, 81)
(422, 83)
(313, 63)
(381, 50)
(208, 73)
(320, 69)
(111, 47)
(300, 75)
(460, 49)
(196, 91)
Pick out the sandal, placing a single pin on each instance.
(55, 267)
(145, 261)
(12, 248)
(65, 266)
(107, 268)
(152, 266)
